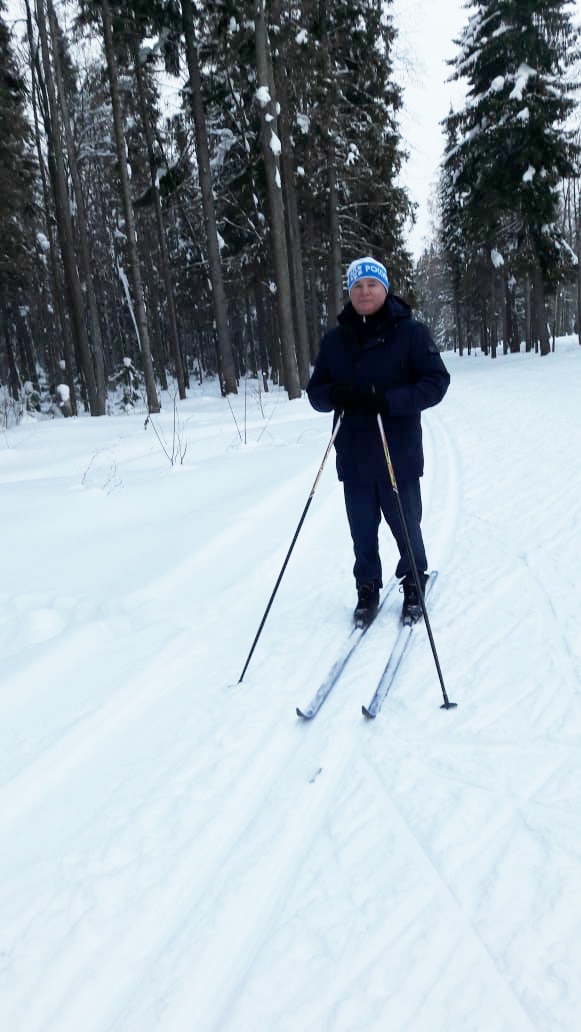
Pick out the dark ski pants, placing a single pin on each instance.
(365, 503)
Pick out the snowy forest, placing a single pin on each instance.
(183, 183)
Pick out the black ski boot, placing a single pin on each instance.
(367, 604)
(412, 607)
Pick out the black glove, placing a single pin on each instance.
(351, 396)
(341, 394)
(365, 398)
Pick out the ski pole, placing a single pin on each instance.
(293, 543)
(446, 704)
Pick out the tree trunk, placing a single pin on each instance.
(132, 252)
(510, 319)
(335, 285)
(166, 275)
(557, 317)
(271, 149)
(261, 331)
(314, 308)
(539, 310)
(13, 375)
(54, 276)
(458, 323)
(578, 234)
(292, 216)
(98, 407)
(228, 369)
(63, 218)
(528, 313)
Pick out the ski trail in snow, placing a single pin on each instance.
(443, 493)
(504, 992)
(247, 914)
(452, 513)
(212, 853)
(201, 560)
(71, 752)
(210, 848)
(69, 745)
(194, 874)
(60, 758)
(216, 972)
(539, 595)
(181, 853)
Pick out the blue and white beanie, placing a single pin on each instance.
(366, 268)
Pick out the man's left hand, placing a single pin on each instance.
(369, 399)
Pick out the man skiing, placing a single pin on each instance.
(379, 360)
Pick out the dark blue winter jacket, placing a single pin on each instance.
(397, 355)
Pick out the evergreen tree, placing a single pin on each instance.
(373, 208)
(17, 210)
(451, 237)
(17, 168)
(434, 302)
(288, 132)
(512, 147)
(352, 148)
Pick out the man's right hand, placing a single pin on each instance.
(350, 396)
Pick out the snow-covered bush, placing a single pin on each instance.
(127, 386)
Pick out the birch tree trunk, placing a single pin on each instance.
(271, 150)
(225, 353)
(132, 251)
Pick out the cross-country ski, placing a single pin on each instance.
(352, 642)
(396, 655)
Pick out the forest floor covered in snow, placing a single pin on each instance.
(181, 853)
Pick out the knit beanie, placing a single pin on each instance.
(367, 268)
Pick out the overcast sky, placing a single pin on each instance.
(427, 32)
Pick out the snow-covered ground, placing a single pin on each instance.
(179, 852)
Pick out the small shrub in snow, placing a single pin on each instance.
(127, 385)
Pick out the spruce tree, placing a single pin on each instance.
(17, 169)
(17, 210)
(352, 102)
(373, 206)
(513, 148)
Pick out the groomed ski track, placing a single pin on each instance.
(334, 876)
